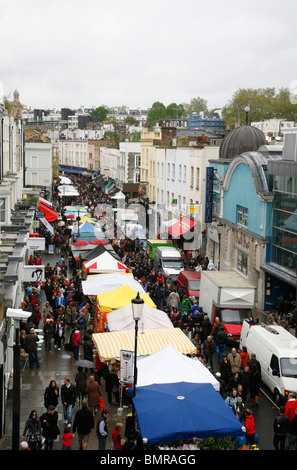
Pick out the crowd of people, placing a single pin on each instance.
(66, 316)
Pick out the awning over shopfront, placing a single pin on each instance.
(71, 170)
(49, 214)
(280, 274)
(182, 226)
(109, 345)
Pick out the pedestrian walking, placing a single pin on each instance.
(255, 383)
(80, 384)
(250, 430)
(235, 360)
(76, 342)
(281, 426)
(58, 333)
(48, 332)
(50, 429)
(209, 347)
(83, 423)
(102, 430)
(117, 442)
(239, 409)
(51, 394)
(30, 343)
(68, 398)
(93, 392)
(67, 438)
(244, 380)
(32, 431)
(221, 341)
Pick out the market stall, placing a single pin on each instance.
(184, 410)
(110, 344)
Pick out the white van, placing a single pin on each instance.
(168, 261)
(276, 350)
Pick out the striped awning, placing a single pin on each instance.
(149, 341)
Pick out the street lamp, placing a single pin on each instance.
(137, 309)
(219, 230)
(17, 315)
(247, 110)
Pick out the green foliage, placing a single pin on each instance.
(112, 136)
(196, 105)
(101, 111)
(221, 443)
(156, 113)
(175, 111)
(264, 103)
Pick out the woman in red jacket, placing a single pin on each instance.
(249, 424)
(116, 437)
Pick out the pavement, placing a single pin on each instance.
(54, 365)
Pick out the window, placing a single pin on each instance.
(173, 172)
(2, 209)
(242, 263)
(192, 177)
(242, 215)
(185, 173)
(197, 178)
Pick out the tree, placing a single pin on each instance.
(263, 103)
(196, 105)
(156, 113)
(101, 111)
(175, 111)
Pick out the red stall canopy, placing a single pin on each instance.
(49, 214)
(182, 226)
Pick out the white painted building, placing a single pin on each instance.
(130, 162)
(109, 162)
(38, 160)
(274, 128)
(11, 164)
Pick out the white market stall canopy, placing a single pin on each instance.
(119, 195)
(106, 282)
(157, 369)
(67, 190)
(109, 345)
(65, 180)
(105, 263)
(122, 319)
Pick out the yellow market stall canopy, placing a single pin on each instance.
(118, 298)
(109, 345)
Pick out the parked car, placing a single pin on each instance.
(190, 281)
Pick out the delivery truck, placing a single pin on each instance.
(228, 296)
(276, 350)
(169, 262)
(152, 245)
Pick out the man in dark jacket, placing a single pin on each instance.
(221, 341)
(101, 430)
(30, 343)
(83, 423)
(280, 429)
(68, 397)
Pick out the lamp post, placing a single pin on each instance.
(137, 308)
(17, 315)
(247, 110)
(219, 229)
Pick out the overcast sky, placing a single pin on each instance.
(69, 53)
